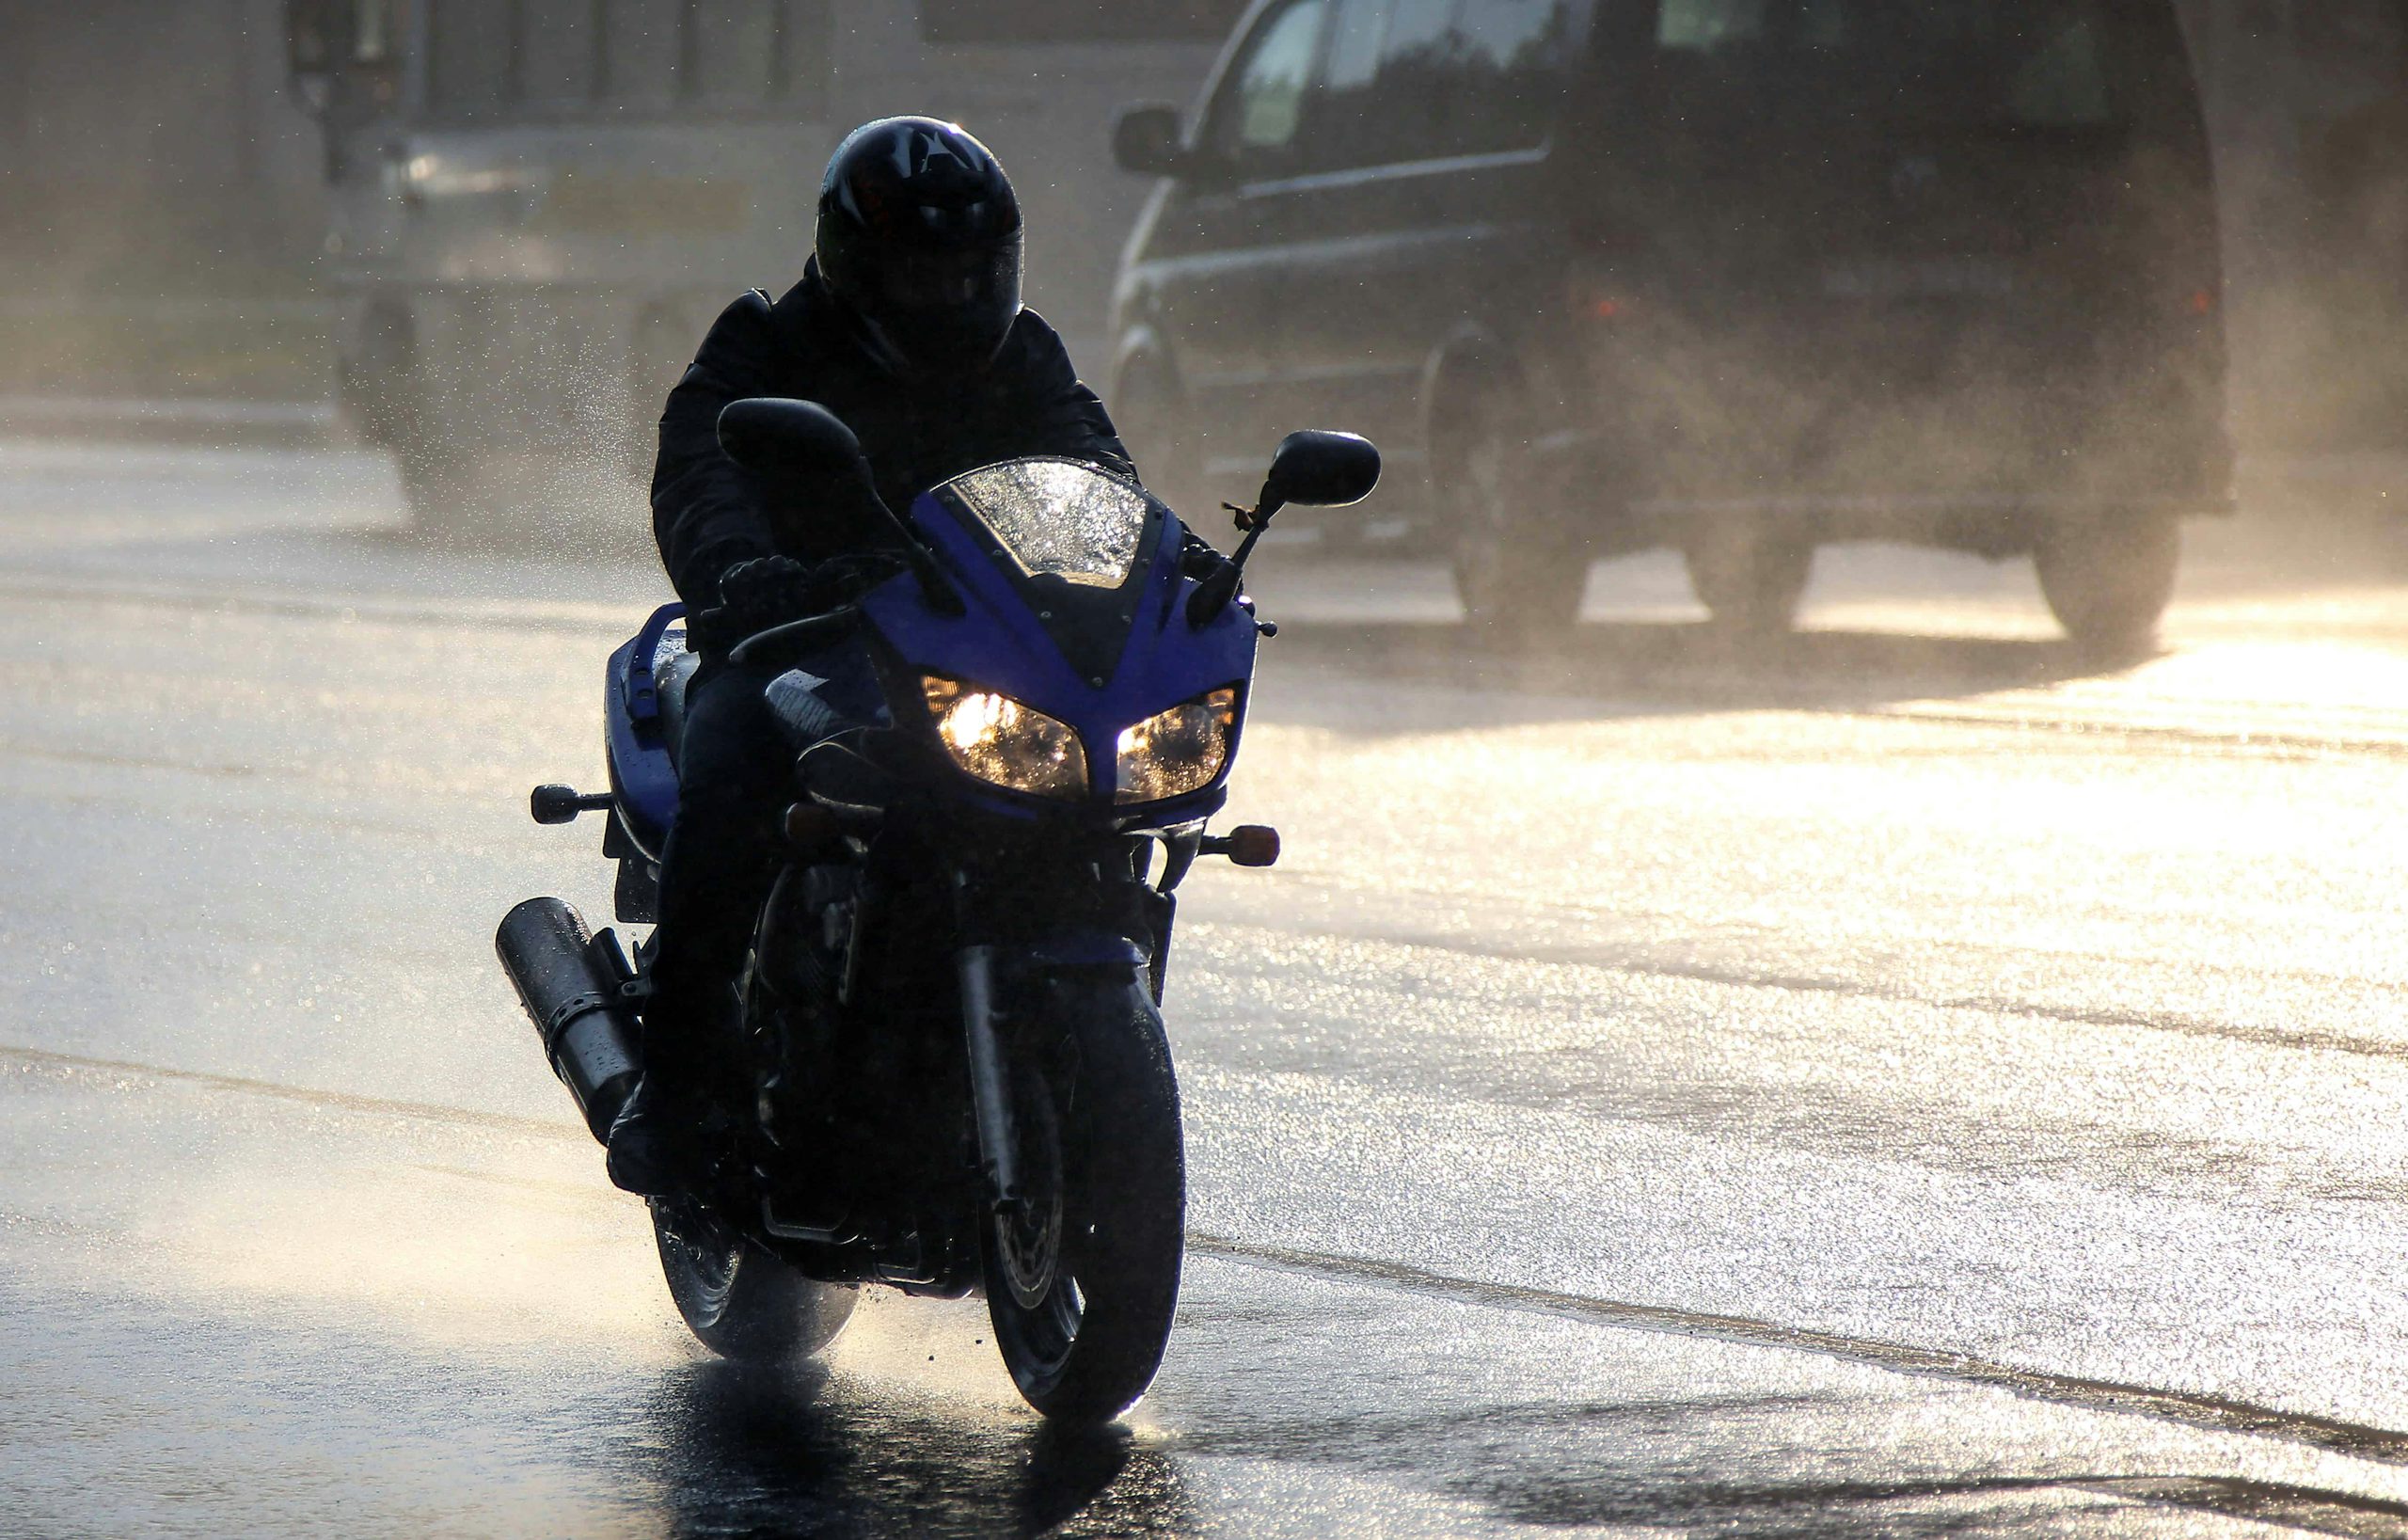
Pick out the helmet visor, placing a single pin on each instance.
(945, 308)
(979, 278)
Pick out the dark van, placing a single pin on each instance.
(1739, 276)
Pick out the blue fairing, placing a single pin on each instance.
(999, 645)
(641, 776)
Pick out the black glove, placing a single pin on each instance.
(764, 591)
(1196, 557)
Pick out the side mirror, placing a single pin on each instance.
(790, 439)
(1146, 140)
(1319, 469)
(1312, 470)
(800, 446)
(807, 459)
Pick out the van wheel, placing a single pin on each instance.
(1519, 570)
(2108, 580)
(1748, 578)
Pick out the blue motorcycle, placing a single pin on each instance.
(958, 1073)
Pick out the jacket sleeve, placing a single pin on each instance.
(1066, 417)
(706, 514)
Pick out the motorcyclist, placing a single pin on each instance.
(907, 324)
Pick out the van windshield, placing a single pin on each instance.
(1975, 64)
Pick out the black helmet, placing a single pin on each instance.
(920, 238)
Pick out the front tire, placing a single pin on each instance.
(739, 1301)
(1750, 579)
(2108, 581)
(1082, 1282)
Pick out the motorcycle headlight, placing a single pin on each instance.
(1179, 751)
(1004, 743)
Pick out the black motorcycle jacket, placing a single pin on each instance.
(709, 514)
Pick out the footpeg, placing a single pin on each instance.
(562, 805)
(1247, 845)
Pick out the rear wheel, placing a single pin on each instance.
(739, 1301)
(1748, 578)
(1082, 1275)
(1518, 571)
(2108, 580)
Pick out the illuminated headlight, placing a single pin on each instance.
(1178, 751)
(1004, 743)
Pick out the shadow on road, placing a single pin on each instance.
(774, 1449)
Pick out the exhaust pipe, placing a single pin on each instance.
(569, 982)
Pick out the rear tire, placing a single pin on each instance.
(2108, 580)
(1518, 571)
(1082, 1285)
(739, 1301)
(1748, 578)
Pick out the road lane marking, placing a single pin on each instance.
(2223, 1413)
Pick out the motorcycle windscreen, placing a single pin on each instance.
(1070, 537)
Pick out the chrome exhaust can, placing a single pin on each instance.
(569, 981)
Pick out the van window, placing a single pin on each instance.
(1701, 26)
(468, 65)
(2015, 64)
(1346, 133)
(1511, 55)
(1264, 106)
(1467, 77)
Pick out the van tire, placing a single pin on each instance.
(2108, 580)
(1519, 568)
(1750, 578)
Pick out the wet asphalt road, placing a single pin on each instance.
(1911, 1082)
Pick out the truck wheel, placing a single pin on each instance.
(2108, 580)
(1748, 578)
(1519, 570)
(739, 1301)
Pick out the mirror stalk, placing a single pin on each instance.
(1215, 592)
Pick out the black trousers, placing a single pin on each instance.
(735, 775)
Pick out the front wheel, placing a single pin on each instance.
(1082, 1275)
(1750, 579)
(2109, 580)
(739, 1301)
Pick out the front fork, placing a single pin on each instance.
(990, 1081)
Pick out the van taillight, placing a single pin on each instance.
(2203, 302)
